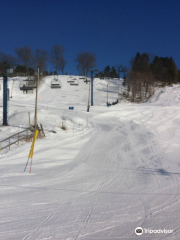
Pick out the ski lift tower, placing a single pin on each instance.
(6, 94)
(5, 100)
(92, 71)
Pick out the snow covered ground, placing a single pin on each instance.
(113, 170)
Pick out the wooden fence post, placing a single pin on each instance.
(42, 129)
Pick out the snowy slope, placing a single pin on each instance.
(113, 170)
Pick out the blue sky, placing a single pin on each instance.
(114, 29)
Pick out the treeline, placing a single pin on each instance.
(26, 61)
(114, 72)
(146, 73)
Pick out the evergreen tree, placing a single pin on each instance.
(23, 70)
(164, 69)
(141, 62)
(178, 76)
(107, 71)
(113, 73)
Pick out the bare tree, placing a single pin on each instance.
(86, 61)
(140, 85)
(3, 57)
(25, 55)
(62, 65)
(40, 59)
(11, 60)
(56, 57)
(3, 63)
(6, 61)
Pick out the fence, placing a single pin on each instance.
(16, 138)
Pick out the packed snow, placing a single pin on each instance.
(114, 169)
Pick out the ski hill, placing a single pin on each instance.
(114, 169)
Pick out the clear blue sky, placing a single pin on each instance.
(114, 29)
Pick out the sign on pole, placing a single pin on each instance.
(10, 70)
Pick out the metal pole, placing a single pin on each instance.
(5, 101)
(88, 99)
(31, 165)
(107, 94)
(37, 85)
(91, 88)
(26, 165)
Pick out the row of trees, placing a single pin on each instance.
(114, 72)
(146, 72)
(163, 69)
(26, 60)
